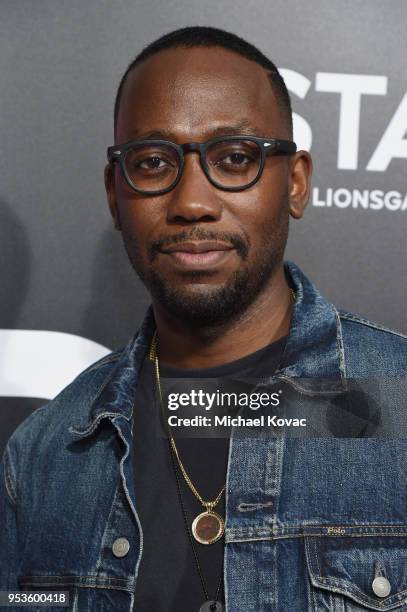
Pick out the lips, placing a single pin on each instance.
(200, 255)
(198, 247)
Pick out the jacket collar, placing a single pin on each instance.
(313, 351)
(314, 347)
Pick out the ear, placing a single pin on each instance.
(111, 195)
(299, 183)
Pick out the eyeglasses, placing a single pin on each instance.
(231, 163)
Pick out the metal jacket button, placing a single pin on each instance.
(120, 547)
(381, 586)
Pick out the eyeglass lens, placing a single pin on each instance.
(230, 163)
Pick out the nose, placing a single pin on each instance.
(194, 198)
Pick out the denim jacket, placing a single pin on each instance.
(314, 524)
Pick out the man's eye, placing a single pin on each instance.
(235, 159)
(152, 163)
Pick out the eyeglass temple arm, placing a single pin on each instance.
(283, 146)
(112, 154)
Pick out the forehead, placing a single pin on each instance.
(189, 93)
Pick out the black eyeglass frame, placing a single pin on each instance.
(117, 153)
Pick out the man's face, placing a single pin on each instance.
(187, 95)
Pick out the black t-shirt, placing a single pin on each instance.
(168, 579)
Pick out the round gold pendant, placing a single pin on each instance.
(208, 527)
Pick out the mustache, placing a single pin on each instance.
(241, 245)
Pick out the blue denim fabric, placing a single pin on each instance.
(310, 523)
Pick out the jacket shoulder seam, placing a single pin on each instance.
(362, 321)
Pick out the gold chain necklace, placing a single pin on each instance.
(208, 527)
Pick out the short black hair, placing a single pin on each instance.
(205, 36)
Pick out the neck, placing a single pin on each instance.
(264, 321)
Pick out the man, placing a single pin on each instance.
(201, 181)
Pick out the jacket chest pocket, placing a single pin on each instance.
(358, 572)
(90, 593)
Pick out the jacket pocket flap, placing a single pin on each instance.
(349, 565)
(72, 581)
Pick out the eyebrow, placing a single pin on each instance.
(242, 127)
